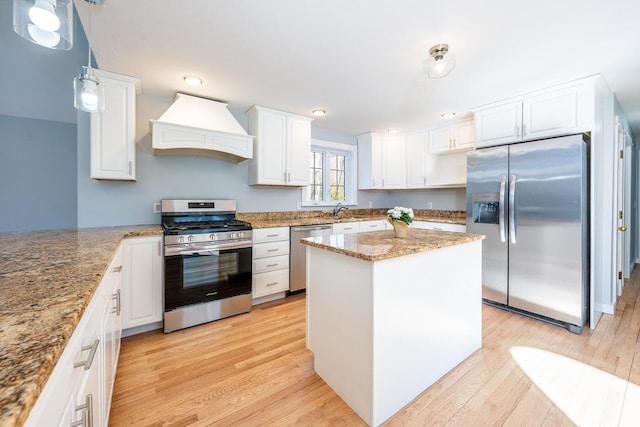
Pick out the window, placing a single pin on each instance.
(332, 174)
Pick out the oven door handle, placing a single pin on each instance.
(203, 249)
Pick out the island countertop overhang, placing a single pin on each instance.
(381, 245)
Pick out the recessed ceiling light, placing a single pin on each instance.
(393, 130)
(448, 115)
(319, 113)
(192, 80)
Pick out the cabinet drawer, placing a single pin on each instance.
(373, 226)
(262, 250)
(444, 226)
(275, 234)
(346, 228)
(270, 283)
(271, 263)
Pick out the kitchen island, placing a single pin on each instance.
(387, 317)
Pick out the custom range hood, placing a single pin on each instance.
(200, 126)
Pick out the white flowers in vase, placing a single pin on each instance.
(399, 213)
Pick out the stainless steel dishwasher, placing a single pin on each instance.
(298, 259)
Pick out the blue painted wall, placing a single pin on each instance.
(37, 174)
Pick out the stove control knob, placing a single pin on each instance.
(212, 236)
(191, 238)
(233, 235)
(180, 239)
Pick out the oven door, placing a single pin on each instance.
(195, 274)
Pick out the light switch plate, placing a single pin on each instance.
(299, 205)
(156, 208)
(429, 205)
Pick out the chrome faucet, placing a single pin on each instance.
(338, 208)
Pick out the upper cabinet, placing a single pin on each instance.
(453, 138)
(561, 110)
(382, 161)
(113, 132)
(281, 148)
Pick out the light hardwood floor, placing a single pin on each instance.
(254, 370)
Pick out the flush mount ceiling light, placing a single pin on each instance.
(393, 130)
(440, 61)
(319, 113)
(192, 80)
(48, 23)
(448, 115)
(88, 91)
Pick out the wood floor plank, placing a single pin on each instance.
(254, 370)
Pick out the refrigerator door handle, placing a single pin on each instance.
(512, 209)
(501, 221)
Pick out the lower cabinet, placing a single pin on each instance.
(80, 387)
(142, 282)
(444, 226)
(376, 225)
(359, 227)
(270, 262)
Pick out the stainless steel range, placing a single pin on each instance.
(207, 262)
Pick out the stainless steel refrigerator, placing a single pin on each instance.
(531, 201)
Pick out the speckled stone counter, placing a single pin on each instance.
(381, 245)
(46, 281)
(296, 218)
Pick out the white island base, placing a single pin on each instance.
(383, 331)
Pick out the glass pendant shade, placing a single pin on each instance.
(48, 23)
(440, 62)
(88, 92)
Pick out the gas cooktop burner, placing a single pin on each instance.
(208, 226)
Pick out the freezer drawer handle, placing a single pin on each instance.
(512, 209)
(502, 224)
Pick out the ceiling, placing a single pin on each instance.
(362, 60)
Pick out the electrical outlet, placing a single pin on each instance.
(156, 208)
(299, 205)
(429, 205)
(370, 204)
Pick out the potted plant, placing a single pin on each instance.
(400, 218)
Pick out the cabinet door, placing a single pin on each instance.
(113, 132)
(298, 151)
(416, 160)
(394, 161)
(273, 148)
(498, 124)
(440, 140)
(552, 113)
(142, 281)
(464, 135)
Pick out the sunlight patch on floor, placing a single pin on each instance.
(587, 395)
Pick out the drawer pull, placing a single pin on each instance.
(348, 228)
(117, 269)
(117, 297)
(273, 250)
(87, 413)
(272, 235)
(272, 265)
(93, 348)
(272, 283)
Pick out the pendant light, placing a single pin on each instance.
(88, 91)
(48, 23)
(440, 61)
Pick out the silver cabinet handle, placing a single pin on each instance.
(130, 167)
(501, 203)
(273, 250)
(117, 269)
(159, 249)
(87, 413)
(93, 348)
(272, 283)
(512, 209)
(273, 265)
(524, 130)
(272, 235)
(117, 297)
(517, 129)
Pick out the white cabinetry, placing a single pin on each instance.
(281, 148)
(375, 225)
(346, 228)
(561, 110)
(417, 160)
(80, 387)
(381, 161)
(444, 226)
(270, 261)
(113, 132)
(457, 137)
(142, 281)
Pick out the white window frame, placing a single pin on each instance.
(351, 172)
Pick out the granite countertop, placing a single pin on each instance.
(46, 281)
(381, 245)
(295, 218)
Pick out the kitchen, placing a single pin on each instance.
(85, 202)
